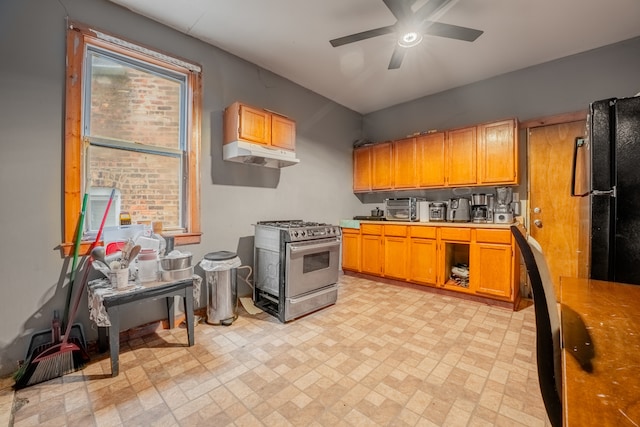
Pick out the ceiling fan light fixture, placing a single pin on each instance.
(409, 39)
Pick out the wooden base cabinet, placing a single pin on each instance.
(371, 260)
(350, 249)
(425, 255)
(493, 263)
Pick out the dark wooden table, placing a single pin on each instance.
(117, 301)
(601, 380)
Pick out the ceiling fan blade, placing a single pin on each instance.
(362, 36)
(397, 57)
(400, 9)
(451, 31)
(429, 8)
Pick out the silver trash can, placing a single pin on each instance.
(222, 290)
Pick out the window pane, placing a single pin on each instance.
(149, 184)
(133, 104)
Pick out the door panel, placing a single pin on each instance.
(553, 213)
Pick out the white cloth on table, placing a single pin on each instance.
(99, 288)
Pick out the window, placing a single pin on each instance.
(132, 123)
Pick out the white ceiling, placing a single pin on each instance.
(291, 38)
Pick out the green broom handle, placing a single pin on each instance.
(76, 251)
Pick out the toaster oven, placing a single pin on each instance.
(402, 209)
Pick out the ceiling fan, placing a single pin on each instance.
(410, 26)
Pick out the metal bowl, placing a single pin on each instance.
(176, 262)
(171, 275)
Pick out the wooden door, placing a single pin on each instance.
(381, 166)
(283, 132)
(254, 125)
(430, 152)
(423, 261)
(404, 163)
(553, 213)
(461, 156)
(362, 169)
(498, 153)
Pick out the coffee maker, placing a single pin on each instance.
(503, 210)
(482, 208)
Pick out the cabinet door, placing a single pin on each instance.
(430, 155)
(362, 169)
(395, 257)
(461, 156)
(351, 250)
(283, 132)
(498, 153)
(423, 261)
(371, 250)
(491, 269)
(254, 125)
(404, 163)
(381, 165)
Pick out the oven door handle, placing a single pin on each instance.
(300, 249)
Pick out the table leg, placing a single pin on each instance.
(171, 311)
(102, 339)
(114, 339)
(188, 314)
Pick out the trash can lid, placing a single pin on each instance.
(219, 256)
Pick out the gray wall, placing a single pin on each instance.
(32, 46)
(234, 196)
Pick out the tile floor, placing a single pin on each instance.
(383, 355)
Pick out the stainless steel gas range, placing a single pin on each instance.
(296, 265)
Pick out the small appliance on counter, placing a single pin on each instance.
(459, 210)
(402, 209)
(503, 210)
(482, 208)
(437, 211)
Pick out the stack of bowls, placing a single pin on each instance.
(176, 266)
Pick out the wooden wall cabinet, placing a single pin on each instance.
(461, 157)
(260, 126)
(362, 169)
(381, 166)
(485, 154)
(430, 160)
(498, 153)
(405, 163)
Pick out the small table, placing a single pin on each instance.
(113, 300)
(601, 381)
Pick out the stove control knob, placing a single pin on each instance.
(295, 234)
(302, 233)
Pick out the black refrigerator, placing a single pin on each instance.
(611, 165)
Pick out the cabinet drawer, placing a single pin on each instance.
(371, 229)
(463, 234)
(423, 232)
(493, 236)
(395, 230)
(350, 231)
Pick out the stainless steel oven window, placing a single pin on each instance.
(314, 262)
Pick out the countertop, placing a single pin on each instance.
(351, 223)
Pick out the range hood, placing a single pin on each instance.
(258, 154)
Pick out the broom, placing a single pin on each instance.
(61, 358)
(65, 356)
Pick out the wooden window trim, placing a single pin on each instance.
(78, 36)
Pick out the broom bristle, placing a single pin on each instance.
(51, 364)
